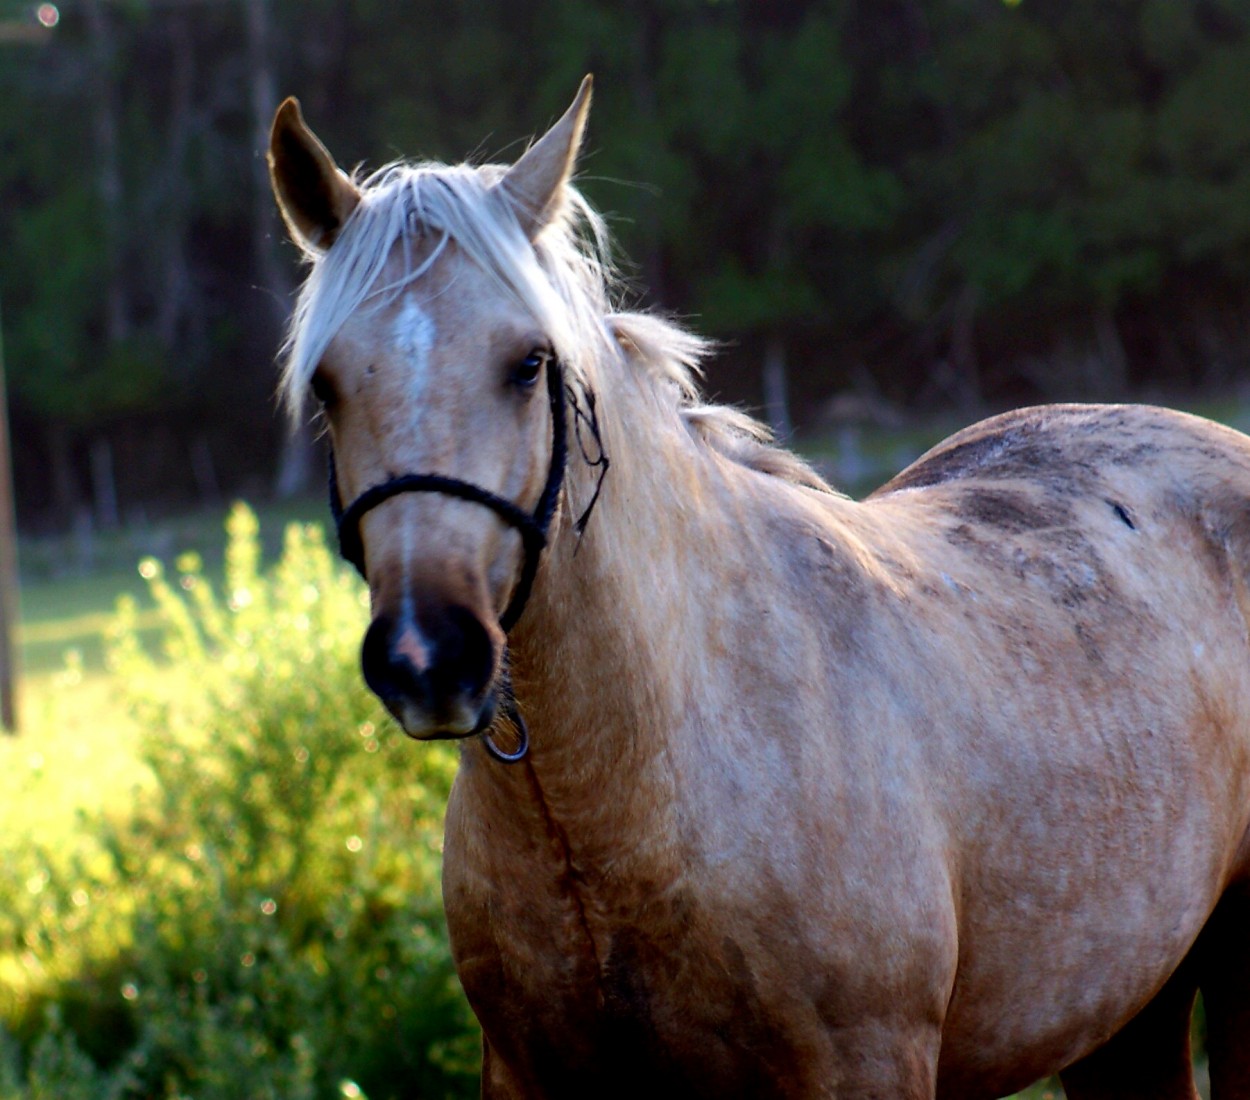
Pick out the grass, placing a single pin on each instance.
(191, 814)
(69, 596)
(76, 754)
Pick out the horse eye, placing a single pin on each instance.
(322, 389)
(528, 370)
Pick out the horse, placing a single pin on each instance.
(764, 791)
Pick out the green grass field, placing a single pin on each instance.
(167, 825)
(69, 594)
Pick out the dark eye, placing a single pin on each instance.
(526, 372)
(322, 389)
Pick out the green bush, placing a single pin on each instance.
(263, 917)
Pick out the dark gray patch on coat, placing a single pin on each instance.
(1012, 512)
(1123, 514)
(1063, 449)
(1061, 560)
(1085, 637)
(816, 564)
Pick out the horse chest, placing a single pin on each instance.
(710, 975)
(633, 1009)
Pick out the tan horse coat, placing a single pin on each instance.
(967, 819)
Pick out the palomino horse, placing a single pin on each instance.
(926, 795)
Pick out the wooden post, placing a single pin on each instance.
(8, 565)
(34, 33)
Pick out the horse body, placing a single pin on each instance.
(926, 795)
(970, 821)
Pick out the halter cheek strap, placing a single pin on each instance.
(532, 527)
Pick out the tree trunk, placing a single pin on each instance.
(65, 496)
(776, 389)
(204, 470)
(296, 462)
(774, 380)
(965, 369)
(104, 485)
(645, 104)
(9, 606)
(1111, 355)
(175, 282)
(104, 130)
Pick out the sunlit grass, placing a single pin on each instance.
(74, 760)
(69, 595)
(222, 790)
(76, 741)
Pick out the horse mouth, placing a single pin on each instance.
(456, 722)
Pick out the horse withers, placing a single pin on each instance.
(765, 791)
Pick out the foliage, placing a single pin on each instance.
(883, 187)
(263, 917)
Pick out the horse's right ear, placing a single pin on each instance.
(313, 193)
(535, 184)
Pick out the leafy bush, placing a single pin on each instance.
(263, 918)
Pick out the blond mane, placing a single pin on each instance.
(565, 279)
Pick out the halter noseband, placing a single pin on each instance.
(532, 527)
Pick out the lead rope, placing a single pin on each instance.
(532, 527)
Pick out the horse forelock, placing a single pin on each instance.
(565, 279)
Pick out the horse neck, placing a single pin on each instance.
(609, 659)
(604, 644)
(623, 656)
(645, 645)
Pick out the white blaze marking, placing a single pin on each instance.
(414, 333)
(414, 337)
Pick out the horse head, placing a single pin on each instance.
(430, 334)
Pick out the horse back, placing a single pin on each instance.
(1103, 494)
(1087, 571)
(1096, 550)
(1072, 450)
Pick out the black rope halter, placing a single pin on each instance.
(532, 527)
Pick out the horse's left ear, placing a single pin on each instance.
(535, 184)
(313, 193)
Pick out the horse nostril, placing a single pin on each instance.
(464, 661)
(389, 670)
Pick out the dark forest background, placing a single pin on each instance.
(890, 207)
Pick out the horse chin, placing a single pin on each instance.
(464, 720)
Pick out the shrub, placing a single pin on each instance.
(265, 916)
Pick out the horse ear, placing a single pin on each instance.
(535, 184)
(313, 193)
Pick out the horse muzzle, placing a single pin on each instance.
(434, 671)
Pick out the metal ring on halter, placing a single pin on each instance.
(532, 527)
(511, 712)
